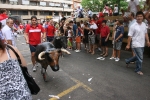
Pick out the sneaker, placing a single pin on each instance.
(112, 58)
(77, 51)
(99, 58)
(102, 58)
(34, 67)
(117, 59)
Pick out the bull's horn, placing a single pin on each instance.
(64, 50)
(40, 55)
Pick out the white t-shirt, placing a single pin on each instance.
(137, 33)
(69, 33)
(8, 34)
(115, 9)
(132, 5)
(131, 22)
(82, 25)
(93, 26)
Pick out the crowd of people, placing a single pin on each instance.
(93, 33)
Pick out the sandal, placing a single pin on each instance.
(102, 54)
(90, 51)
(140, 73)
(105, 55)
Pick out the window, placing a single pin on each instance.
(2, 1)
(44, 12)
(33, 3)
(35, 12)
(65, 6)
(51, 4)
(68, 13)
(69, 6)
(42, 3)
(64, 13)
(56, 13)
(22, 12)
(13, 12)
(57, 5)
(50, 13)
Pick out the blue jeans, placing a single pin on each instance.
(138, 58)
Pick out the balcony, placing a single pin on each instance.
(57, 1)
(79, 1)
(36, 8)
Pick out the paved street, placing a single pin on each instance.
(82, 77)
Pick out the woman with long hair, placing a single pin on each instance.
(13, 85)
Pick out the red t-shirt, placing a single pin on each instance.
(99, 24)
(21, 26)
(104, 31)
(34, 34)
(50, 30)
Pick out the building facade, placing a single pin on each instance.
(39, 8)
(76, 3)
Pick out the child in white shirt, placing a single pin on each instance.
(70, 34)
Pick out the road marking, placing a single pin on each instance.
(83, 85)
(24, 50)
(79, 84)
(68, 91)
(29, 63)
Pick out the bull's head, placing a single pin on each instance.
(52, 57)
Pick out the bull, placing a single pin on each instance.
(46, 54)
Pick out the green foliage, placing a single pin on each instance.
(98, 5)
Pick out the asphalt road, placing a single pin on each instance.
(82, 77)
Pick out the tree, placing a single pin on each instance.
(98, 5)
(93, 5)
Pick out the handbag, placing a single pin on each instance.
(34, 88)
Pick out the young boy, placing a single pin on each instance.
(118, 40)
(70, 34)
(105, 32)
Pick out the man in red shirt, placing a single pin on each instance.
(33, 37)
(21, 28)
(99, 24)
(50, 30)
(105, 32)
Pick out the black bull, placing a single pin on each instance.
(60, 42)
(46, 54)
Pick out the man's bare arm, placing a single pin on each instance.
(147, 40)
(26, 37)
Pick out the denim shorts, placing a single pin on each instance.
(32, 48)
(117, 45)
